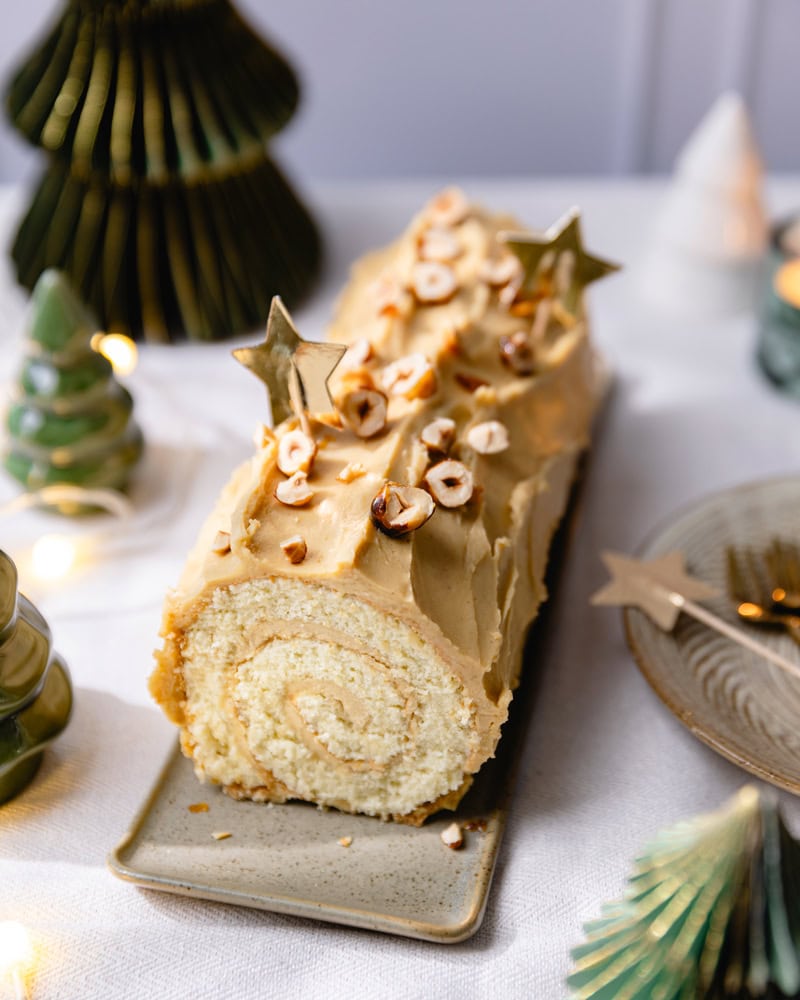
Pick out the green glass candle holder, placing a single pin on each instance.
(35, 688)
(779, 336)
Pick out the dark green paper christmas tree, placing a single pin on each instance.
(35, 690)
(159, 201)
(70, 420)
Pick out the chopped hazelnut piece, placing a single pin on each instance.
(450, 482)
(438, 434)
(469, 382)
(294, 491)
(356, 355)
(353, 470)
(452, 837)
(222, 543)
(433, 282)
(391, 299)
(294, 548)
(499, 271)
(399, 509)
(448, 208)
(345, 841)
(413, 377)
(296, 452)
(364, 412)
(488, 438)
(439, 244)
(198, 807)
(221, 834)
(263, 436)
(517, 353)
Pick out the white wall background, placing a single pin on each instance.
(494, 87)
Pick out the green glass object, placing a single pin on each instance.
(70, 420)
(779, 334)
(159, 199)
(35, 690)
(712, 910)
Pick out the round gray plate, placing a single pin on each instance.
(738, 703)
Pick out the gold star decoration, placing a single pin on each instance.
(652, 585)
(295, 371)
(557, 259)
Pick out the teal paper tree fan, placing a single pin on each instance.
(159, 199)
(712, 910)
(69, 421)
(35, 689)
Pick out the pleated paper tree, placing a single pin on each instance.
(70, 420)
(159, 201)
(35, 690)
(712, 911)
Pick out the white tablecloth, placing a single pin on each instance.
(605, 764)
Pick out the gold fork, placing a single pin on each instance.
(752, 587)
(782, 560)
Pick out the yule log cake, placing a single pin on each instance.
(348, 629)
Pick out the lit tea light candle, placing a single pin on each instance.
(779, 338)
(120, 350)
(787, 282)
(53, 556)
(16, 957)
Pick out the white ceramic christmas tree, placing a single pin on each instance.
(711, 232)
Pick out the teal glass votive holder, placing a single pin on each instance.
(779, 335)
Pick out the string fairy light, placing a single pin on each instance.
(53, 556)
(16, 957)
(120, 350)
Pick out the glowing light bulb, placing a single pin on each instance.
(16, 955)
(53, 557)
(120, 350)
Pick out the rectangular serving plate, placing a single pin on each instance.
(287, 858)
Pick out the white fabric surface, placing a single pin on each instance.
(605, 764)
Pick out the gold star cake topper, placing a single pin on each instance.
(557, 257)
(295, 371)
(662, 589)
(650, 585)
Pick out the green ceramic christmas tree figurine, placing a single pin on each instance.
(35, 691)
(159, 200)
(712, 911)
(70, 420)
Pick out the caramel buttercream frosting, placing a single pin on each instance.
(349, 626)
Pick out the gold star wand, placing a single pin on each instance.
(295, 371)
(662, 588)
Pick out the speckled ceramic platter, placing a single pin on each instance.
(733, 700)
(288, 859)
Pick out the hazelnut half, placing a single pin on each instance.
(517, 353)
(439, 244)
(450, 483)
(412, 376)
(448, 208)
(294, 491)
(399, 509)
(294, 548)
(497, 271)
(222, 543)
(391, 299)
(356, 355)
(438, 434)
(296, 452)
(433, 282)
(488, 438)
(452, 837)
(364, 411)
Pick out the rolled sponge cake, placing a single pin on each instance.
(374, 674)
